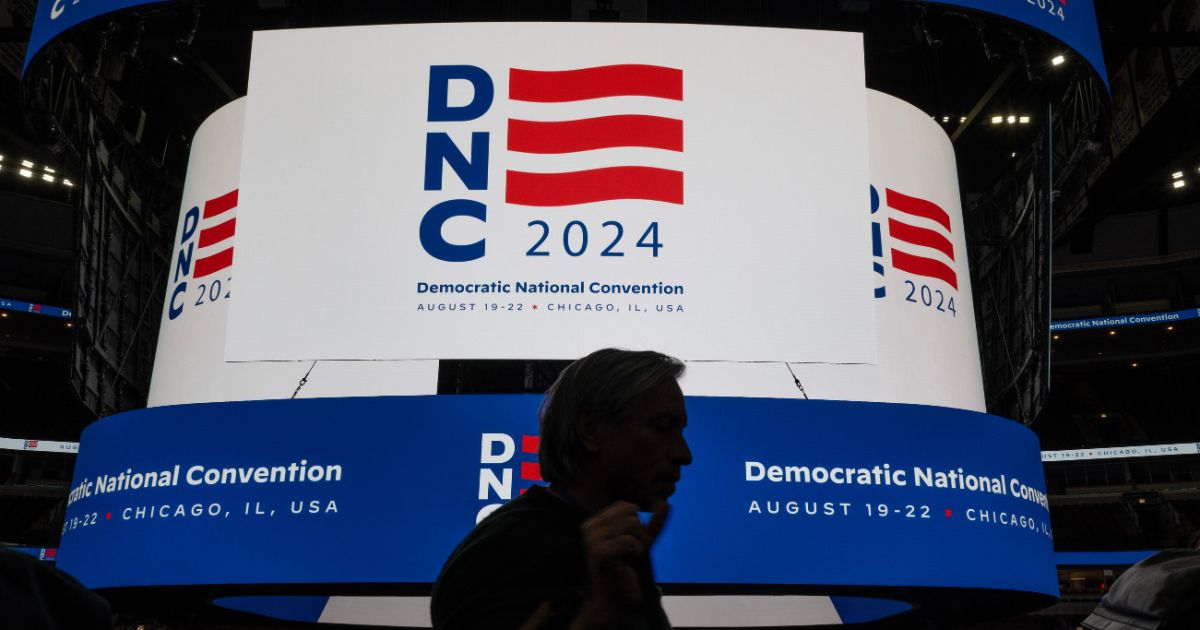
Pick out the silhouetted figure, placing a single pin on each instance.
(35, 596)
(1161, 592)
(576, 554)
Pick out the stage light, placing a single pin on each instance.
(1177, 175)
(1024, 120)
(67, 183)
(1170, 328)
(1056, 337)
(996, 120)
(26, 172)
(961, 119)
(1111, 333)
(1011, 119)
(945, 119)
(26, 163)
(3, 314)
(1134, 364)
(48, 178)
(70, 325)
(1103, 415)
(1058, 60)
(1014, 154)
(1179, 183)
(48, 169)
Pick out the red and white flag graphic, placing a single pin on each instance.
(559, 137)
(215, 247)
(921, 238)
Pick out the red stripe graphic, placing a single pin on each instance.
(569, 136)
(601, 184)
(531, 471)
(530, 443)
(217, 233)
(225, 202)
(212, 264)
(918, 208)
(540, 86)
(924, 237)
(921, 266)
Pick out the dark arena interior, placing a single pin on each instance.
(1080, 197)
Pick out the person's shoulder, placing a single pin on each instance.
(535, 516)
(526, 552)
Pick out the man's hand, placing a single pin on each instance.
(615, 543)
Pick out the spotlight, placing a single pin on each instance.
(961, 119)
(1024, 120)
(1179, 183)
(1103, 415)
(67, 183)
(26, 172)
(1111, 333)
(48, 169)
(1177, 175)
(1058, 60)
(1056, 337)
(1134, 364)
(945, 119)
(48, 178)
(1170, 328)
(996, 120)
(1011, 119)
(26, 163)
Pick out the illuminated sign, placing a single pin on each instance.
(53, 17)
(933, 495)
(539, 193)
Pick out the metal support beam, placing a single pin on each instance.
(984, 100)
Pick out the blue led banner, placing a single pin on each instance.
(379, 490)
(53, 17)
(1101, 558)
(18, 306)
(47, 554)
(1118, 321)
(1072, 23)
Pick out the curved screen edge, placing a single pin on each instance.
(225, 493)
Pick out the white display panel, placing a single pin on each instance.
(189, 366)
(928, 353)
(728, 147)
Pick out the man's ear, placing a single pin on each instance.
(588, 431)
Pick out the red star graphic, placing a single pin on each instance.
(949, 513)
(107, 516)
(535, 307)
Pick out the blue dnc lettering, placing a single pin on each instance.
(440, 151)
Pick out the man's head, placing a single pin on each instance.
(614, 421)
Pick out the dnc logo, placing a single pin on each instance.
(496, 468)
(552, 187)
(919, 234)
(205, 256)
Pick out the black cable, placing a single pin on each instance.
(303, 380)
(796, 379)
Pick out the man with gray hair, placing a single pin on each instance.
(576, 555)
